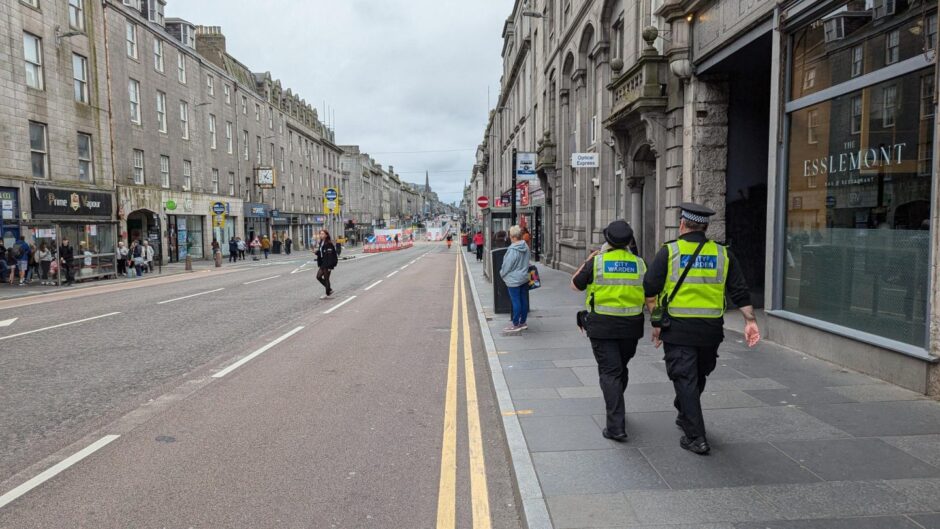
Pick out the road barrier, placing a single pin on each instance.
(385, 247)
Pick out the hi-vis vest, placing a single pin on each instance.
(617, 289)
(702, 294)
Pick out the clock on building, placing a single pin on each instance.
(265, 176)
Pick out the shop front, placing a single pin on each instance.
(256, 220)
(186, 237)
(85, 218)
(853, 234)
(9, 215)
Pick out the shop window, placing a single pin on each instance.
(858, 61)
(80, 78)
(86, 170)
(927, 112)
(187, 175)
(138, 167)
(165, 171)
(32, 54)
(38, 149)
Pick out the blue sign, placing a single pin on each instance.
(331, 195)
(275, 213)
(702, 262)
(219, 208)
(830, 202)
(255, 209)
(620, 267)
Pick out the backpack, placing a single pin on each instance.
(137, 252)
(17, 251)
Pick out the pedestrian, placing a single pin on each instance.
(66, 255)
(396, 240)
(120, 256)
(266, 246)
(450, 240)
(478, 242)
(232, 250)
(527, 237)
(326, 261)
(137, 254)
(148, 256)
(255, 248)
(685, 290)
(33, 270)
(5, 270)
(499, 239)
(515, 273)
(21, 252)
(613, 281)
(44, 256)
(288, 245)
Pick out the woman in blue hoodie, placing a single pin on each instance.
(515, 273)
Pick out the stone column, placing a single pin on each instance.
(635, 184)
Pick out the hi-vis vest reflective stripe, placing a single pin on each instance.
(617, 288)
(702, 294)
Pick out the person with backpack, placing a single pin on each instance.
(326, 261)
(21, 252)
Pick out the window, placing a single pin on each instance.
(280, 124)
(812, 126)
(231, 184)
(138, 167)
(858, 60)
(184, 119)
(892, 46)
(809, 79)
(86, 171)
(80, 78)
(246, 155)
(883, 8)
(229, 141)
(161, 111)
(31, 3)
(210, 85)
(593, 132)
(77, 14)
(133, 94)
(835, 29)
(155, 11)
(227, 91)
(927, 112)
(158, 55)
(932, 32)
(187, 175)
(212, 142)
(133, 3)
(889, 95)
(39, 153)
(270, 118)
(32, 53)
(290, 140)
(244, 105)
(258, 148)
(165, 171)
(857, 114)
(131, 36)
(282, 159)
(181, 67)
(258, 112)
(215, 181)
(292, 171)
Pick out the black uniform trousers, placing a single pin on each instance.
(688, 366)
(612, 357)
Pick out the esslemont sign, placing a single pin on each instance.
(585, 160)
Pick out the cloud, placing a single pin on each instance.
(400, 75)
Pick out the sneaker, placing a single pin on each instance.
(618, 437)
(697, 446)
(325, 296)
(512, 329)
(523, 326)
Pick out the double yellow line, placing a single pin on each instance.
(447, 492)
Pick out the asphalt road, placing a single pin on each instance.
(237, 398)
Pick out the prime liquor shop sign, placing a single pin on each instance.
(46, 201)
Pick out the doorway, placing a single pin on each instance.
(144, 225)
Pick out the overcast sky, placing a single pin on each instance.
(400, 75)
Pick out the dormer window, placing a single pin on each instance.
(835, 29)
(883, 8)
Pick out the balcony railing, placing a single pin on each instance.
(643, 86)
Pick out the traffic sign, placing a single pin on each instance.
(218, 208)
(483, 202)
(331, 195)
(525, 165)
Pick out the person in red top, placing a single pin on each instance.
(478, 242)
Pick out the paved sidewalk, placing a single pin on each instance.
(797, 443)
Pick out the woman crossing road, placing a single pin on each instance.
(327, 259)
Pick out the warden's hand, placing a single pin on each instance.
(656, 341)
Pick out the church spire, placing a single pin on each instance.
(427, 182)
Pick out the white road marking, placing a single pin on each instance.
(7, 323)
(260, 280)
(302, 267)
(393, 273)
(54, 470)
(373, 285)
(59, 325)
(402, 268)
(255, 354)
(190, 296)
(350, 298)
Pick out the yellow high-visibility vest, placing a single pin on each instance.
(702, 294)
(617, 289)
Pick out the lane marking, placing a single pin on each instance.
(518, 412)
(255, 354)
(7, 323)
(302, 267)
(347, 300)
(59, 325)
(447, 490)
(54, 470)
(190, 296)
(402, 268)
(390, 275)
(373, 285)
(479, 494)
(260, 280)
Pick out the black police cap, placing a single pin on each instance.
(696, 212)
(618, 233)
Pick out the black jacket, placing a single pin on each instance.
(67, 253)
(326, 256)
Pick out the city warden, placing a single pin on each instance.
(685, 290)
(613, 279)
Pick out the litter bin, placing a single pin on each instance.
(501, 301)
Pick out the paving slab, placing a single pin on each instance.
(648, 429)
(798, 397)
(839, 499)
(856, 460)
(876, 393)
(595, 472)
(534, 394)
(731, 465)
(589, 510)
(553, 434)
(539, 378)
(878, 419)
(741, 504)
(926, 521)
(926, 492)
(559, 407)
(766, 424)
(868, 522)
(923, 447)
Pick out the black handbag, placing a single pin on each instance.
(659, 317)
